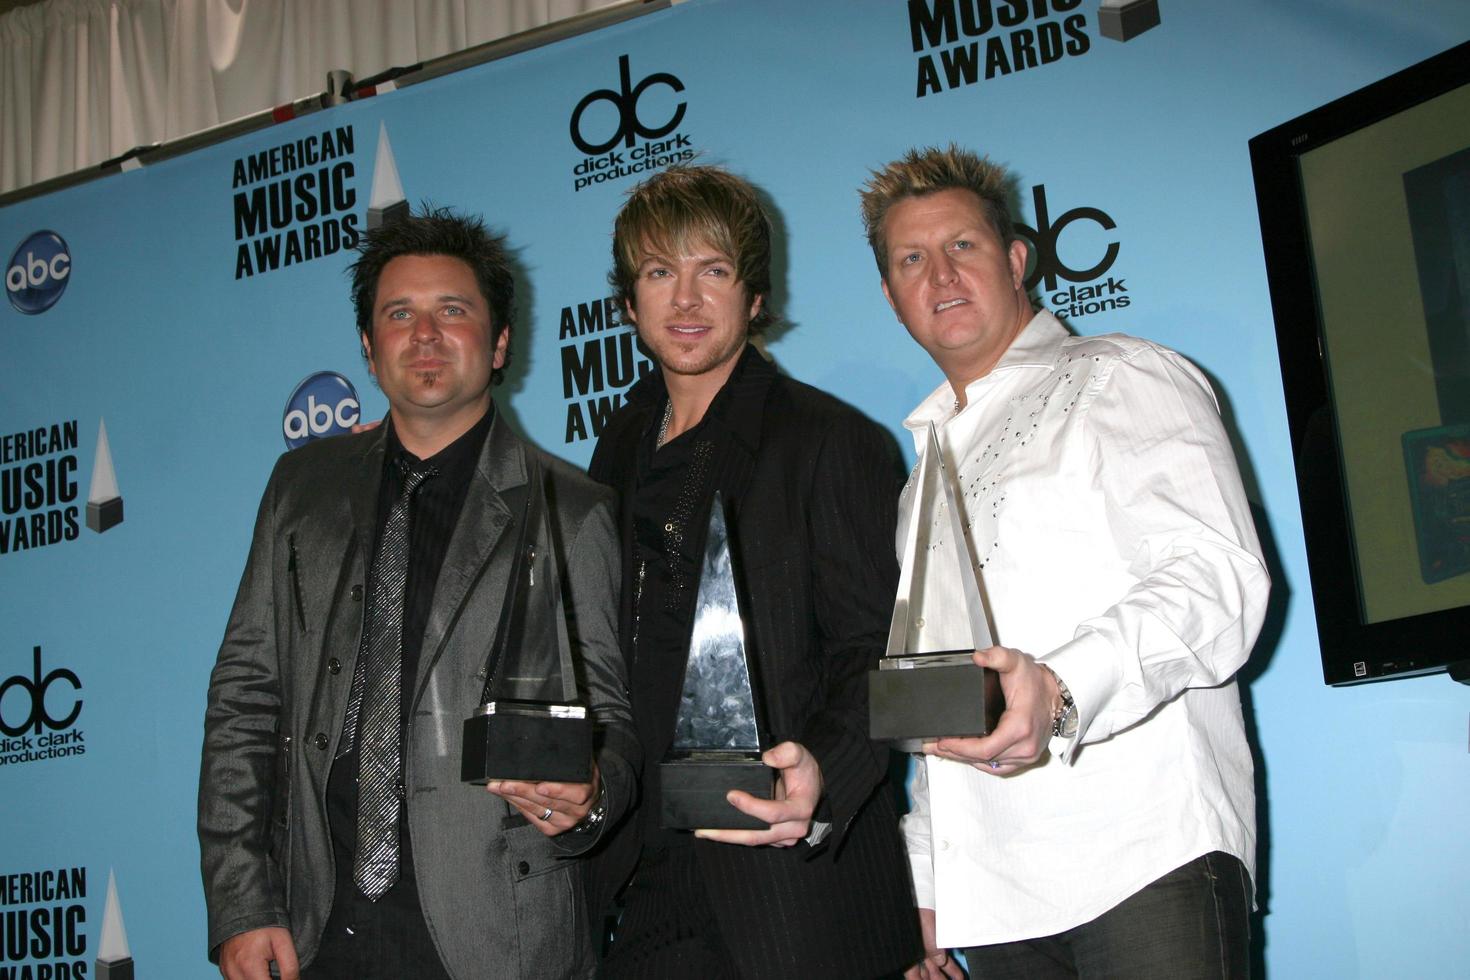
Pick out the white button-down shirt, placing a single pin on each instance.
(1114, 543)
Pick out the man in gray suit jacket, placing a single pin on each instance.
(294, 811)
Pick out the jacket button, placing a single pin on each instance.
(320, 741)
(334, 666)
(357, 593)
(523, 868)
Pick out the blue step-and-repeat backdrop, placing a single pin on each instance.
(170, 330)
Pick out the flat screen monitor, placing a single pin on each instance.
(1365, 220)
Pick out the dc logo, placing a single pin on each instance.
(37, 273)
(325, 404)
(625, 101)
(1044, 239)
(37, 713)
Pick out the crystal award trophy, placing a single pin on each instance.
(716, 747)
(529, 725)
(918, 694)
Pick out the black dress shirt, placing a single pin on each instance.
(433, 513)
(671, 504)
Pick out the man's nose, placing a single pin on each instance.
(686, 293)
(426, 328)
(942, 269)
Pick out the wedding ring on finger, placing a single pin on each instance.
(546, 816)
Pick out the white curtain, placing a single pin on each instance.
(82, 81)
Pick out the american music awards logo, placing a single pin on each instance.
(40, 474)
(965, 42)
(45, 934)
(629, 130)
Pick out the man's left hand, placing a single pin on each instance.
(790, 814)
(552, 808)
(1024, 728)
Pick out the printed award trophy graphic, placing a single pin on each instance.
(386, 203)
(716, 744)
(530, 725)
(104, 506)
(1123, 20)
(918, 694)
(114, 961)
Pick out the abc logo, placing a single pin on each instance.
(37, 273)
(37, 715)
(325, 404)
(625, 101)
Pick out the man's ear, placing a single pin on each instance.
(502, 344)
(367, 353)
(883, 281)
(1017, 252)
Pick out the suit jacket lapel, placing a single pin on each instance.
(363, 484)
(482, 523)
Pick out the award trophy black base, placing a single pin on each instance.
(121, 969)
(918, 697)
(693, 787)
(1125, 21)
(528, 741)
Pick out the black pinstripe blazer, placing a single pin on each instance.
(812, 489)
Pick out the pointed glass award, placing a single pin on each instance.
(387, 203)
(114, 960)
(920, 693)
(716, 744)
(104, 504)
(530, 725)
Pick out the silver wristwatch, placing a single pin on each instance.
(1064, 716)
(594, 817)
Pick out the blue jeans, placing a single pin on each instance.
(1191, 924)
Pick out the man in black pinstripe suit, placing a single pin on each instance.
(811, 488)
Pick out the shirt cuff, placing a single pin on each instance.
(1089, 668)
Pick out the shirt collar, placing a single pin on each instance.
(1035, 346)
(738, 405)
(455, 461)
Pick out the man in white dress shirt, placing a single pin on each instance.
(1106, 827)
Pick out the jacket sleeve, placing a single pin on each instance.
(853, 507)
(1178, 515)
(243, 752)
(594, 576)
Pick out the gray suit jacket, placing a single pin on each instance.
(500, 899)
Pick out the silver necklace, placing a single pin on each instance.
(663, 429)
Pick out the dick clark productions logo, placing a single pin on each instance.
(625, 101)
(36, 712)
(624, 140)
(37, 274)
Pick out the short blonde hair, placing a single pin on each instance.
(683, 207)
(927, 171)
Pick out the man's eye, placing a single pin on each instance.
(454, 310)
(910, 258)
(961, 244)
(719, 271)
(398, 315)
